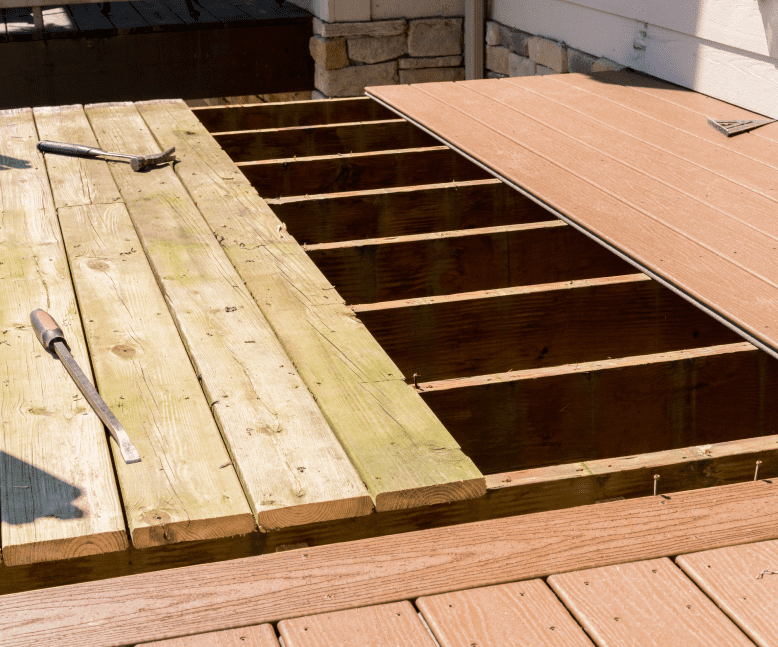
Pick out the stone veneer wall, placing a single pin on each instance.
(349, 56)
(512, 52)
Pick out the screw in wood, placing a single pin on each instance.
(756, 471)
(416, 380)
(656, 483)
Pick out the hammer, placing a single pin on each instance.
(137, 162)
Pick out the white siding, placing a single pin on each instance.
(384, 9)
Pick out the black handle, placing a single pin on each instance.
(69, 149)
(46, 329)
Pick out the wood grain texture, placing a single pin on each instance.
(303, 141)
(644, 603)
(402, 453)
(387, 625)
(256, 636)
(290, 464)
(422, 265)
(291, 114)
(404, 211)
(377, 571)
(359, 171)
(525, 614)
(609, 408)
(651, 232)
(742, 582)
(58, 494)
(553, 324)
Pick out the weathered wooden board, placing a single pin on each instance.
(285, 585)
(360, 171)
(404, 211)
(387, 625)
(553, 324)
(649, 603)
(403, 454)
(658, 232)
(256, 636)
(425, 265)
(526, 614)
(291, 465)
(302, 141)
(58, 494)
(291, 114)
(742, 581)
(609, 408)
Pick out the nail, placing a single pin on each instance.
(656, 483)
(415, 380)
(756, 472)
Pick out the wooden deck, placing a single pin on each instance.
(153, 49)
(693, 568)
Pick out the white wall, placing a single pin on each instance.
(357, 10)
(337, 10)
(724, 48)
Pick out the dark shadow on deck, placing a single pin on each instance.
(11, 162)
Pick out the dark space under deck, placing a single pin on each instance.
(153, 50)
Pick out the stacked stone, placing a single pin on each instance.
(349, 56)
(512, 52)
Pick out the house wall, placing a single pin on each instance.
(724, 48)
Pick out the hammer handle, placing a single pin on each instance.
(69, 149)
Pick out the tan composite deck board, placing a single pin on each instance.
(177, 492)
(645, 604)
(256, 636)
(402, 452)
(292, 467)
(58, 494)
(743, 581)
(522, 614)
(387, 625)
(322, 579)
(648, 222)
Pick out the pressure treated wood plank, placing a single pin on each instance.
(291, 114)
(524, 614)
(742, 581)
(403, 211)
(58, 494)
(302, 141)
(459, 335)
(256, 636)
(725, 287)
(406, 267)
(644, 603)
(387, 625)
(292, 467)
(359, 171)
(403, 454)
(604, 409)
(290, 584)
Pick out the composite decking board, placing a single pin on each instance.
(291, 113)
(292, 467)
(403, 454)
(524, 614)
(255, 636)
(19, 25)
(303, 141)
(58, 22)
(373, 270)
(559, 323)
(338, 173)
(402, 211)
(126, 18)
(89, 18)
(535, 161)
(385, 625)
(58, 495)
(647, 603)
(156, 14)
(178, 491)
(742, 582)
(605, 409)
(290, 584)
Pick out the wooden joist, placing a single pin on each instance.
(403, 454)
(269, 588)
(291, 466)
(58, 494)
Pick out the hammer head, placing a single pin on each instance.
(141, 162)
